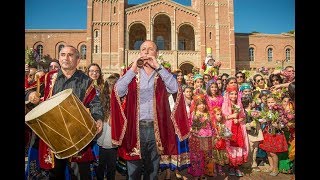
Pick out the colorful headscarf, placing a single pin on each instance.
(197, 76)
(245, 86)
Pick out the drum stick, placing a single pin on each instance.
(38, 85)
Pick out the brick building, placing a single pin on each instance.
(115, 30)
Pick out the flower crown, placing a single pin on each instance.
(199, 98)
(231, 88)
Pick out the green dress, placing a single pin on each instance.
(285, 164)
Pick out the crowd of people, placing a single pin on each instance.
(158, 119)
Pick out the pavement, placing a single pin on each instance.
(248, 175)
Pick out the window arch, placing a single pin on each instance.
(251, 54)
(39, 49)
(96, 49)
(270, 54)
(83, 51)
(96, 33)
(288, 54)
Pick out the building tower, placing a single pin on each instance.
(105, 33)
(216, 26)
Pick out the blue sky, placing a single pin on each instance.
(265, 16)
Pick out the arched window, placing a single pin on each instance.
(96, 33)
(288, 54)
(251, 54)
(40, 51)
(95, 49)
(160, 42)
(83, 50)
(270, 54)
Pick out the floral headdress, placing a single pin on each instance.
(231, 88)
(199, 98)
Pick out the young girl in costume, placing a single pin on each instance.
(274, 140)
(220, 155)
(214, 98)
(238, 145)
(254, 131)
(200, 141)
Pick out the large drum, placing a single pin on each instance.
(63, 123)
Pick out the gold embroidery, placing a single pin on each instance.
(137, 149)
(160, 148)
(174, 121)
(119, 142)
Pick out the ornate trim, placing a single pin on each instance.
(160, 148)
(124, 118)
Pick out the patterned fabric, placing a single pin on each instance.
(201, 161)
(273, 142)
(33, 170)
(180, 161)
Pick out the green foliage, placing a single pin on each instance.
(30, 58)
(291, 32)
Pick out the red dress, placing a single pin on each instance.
(273, 142)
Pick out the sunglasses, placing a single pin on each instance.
(275, 80)
(239, 76)
(258, 80)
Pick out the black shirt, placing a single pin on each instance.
(79, 83)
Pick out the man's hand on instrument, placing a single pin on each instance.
(134, 66)
(152, 62)
(99, 125)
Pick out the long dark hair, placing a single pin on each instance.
(105, 95)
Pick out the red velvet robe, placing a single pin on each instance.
(125, 122)
(46, 158)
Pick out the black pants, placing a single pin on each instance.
(58, 172)
(107, 157)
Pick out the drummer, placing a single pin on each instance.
(68, 76)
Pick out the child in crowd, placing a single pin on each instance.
(274, 140)
(214, 98)
(198, 84)
(188, 94)
(254, 131)
(200, 141)
(222, 133)
(238, 145)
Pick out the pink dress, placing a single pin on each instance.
(200, 146)
(237, 155)
(214, 102)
